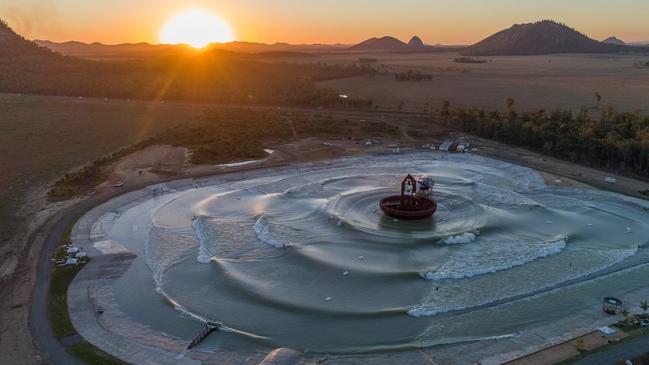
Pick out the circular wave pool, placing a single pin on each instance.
(306, 259)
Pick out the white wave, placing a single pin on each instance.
(607, 258)
(429, 343)
(264, 234)
(238, 164)
(204, 256)
(470, 263)
(462, 238)
(163, 249)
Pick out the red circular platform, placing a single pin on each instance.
(417, 207)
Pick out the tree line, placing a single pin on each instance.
(616, 141)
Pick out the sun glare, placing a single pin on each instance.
(197, 28)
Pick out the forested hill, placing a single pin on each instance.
(542, 37)
(186, 74)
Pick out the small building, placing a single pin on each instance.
(72, 250)
(71, 262)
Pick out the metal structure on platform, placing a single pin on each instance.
(415, 202)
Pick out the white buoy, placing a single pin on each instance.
(361, 257)
(345, 273)
(548, 222)
(328, 299)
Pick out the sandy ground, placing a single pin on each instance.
(148, 165)
(157, 162)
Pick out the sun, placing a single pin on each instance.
(197, 28)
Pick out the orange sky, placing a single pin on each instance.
(322, 21)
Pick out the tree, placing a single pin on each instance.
(644, 306)
(401, 105)
(446, 106)
(598, 97)
(625, 312)
(509, 104)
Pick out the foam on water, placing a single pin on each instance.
(465, 237)
(436, 304)
(264, 234)
(203, 241)
(469, 263)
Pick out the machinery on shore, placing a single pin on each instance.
(415, 202)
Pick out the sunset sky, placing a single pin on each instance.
(322, 21)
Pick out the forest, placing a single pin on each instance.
(615, 141)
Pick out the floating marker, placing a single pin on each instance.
(548, 222)
(340, 223)
(361, 257)
(345, 273)
(328, 299)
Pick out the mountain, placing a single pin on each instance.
(416, 42)
(390, 44)
(614, 40)
(542, 37)
(142, 50)
(383, 44)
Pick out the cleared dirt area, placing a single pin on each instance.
(148, 164)
(535, 82)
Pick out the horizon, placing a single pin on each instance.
(435, 23)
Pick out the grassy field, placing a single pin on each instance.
(43, 137)
(566, 81)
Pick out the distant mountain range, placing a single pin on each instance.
(614, 40)
(137, 50)
(389, 44)
(543, 37)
